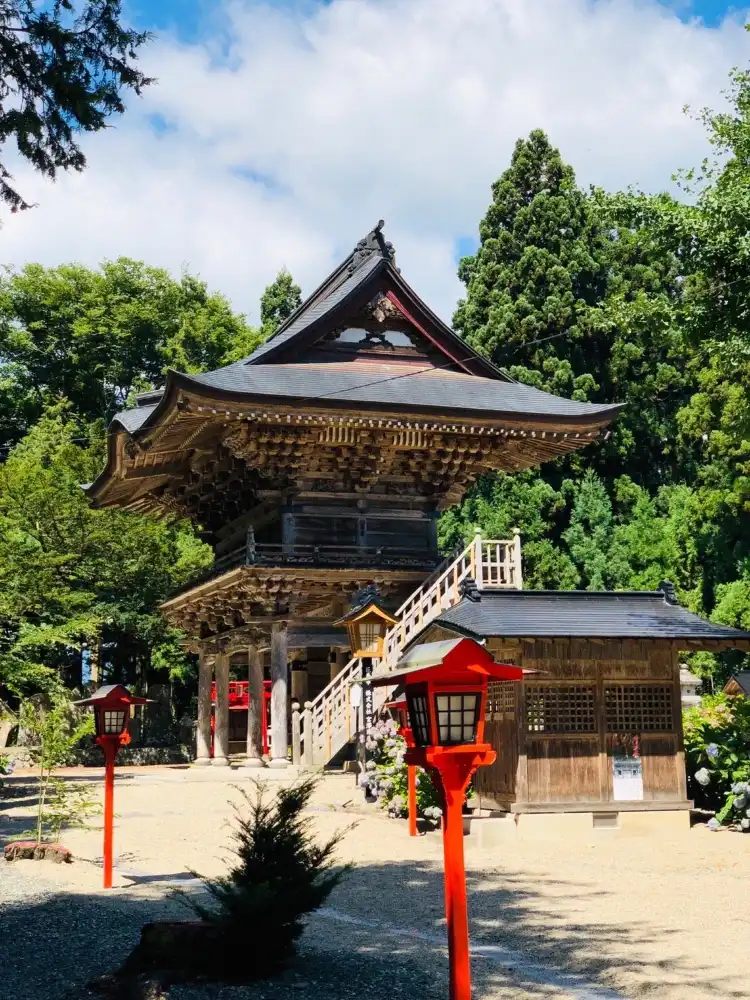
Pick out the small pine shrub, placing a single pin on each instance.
(281, 874)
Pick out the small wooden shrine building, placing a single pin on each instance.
(597, 732)
(316, 467)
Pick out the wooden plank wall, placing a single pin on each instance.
(576, 767)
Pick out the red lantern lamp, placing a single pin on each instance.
(446, 693)
(400, 710)
(111, 705)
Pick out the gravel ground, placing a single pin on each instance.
(634, 918)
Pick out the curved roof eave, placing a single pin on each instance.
(118, 428)
(606, 412)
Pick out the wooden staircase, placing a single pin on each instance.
(329, 722)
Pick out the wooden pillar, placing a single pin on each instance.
(203, 731)
(299, 682)
(340, 661)
(601, 726)
(279, 696)
(307, 747)
(221, 728)
(255, 713)
(522, 774)
(296, 734)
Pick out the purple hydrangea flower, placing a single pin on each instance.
(714, 824)
(712, 751)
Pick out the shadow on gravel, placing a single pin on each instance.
(54, 945)
(505, 913)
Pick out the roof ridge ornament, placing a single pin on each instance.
(374, 242)
(667, 588)
(468, 588)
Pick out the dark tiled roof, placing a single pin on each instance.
(580, 614)
(131, 420)
(469, 393)
(305, 317)
(346, 384)
(742, 680)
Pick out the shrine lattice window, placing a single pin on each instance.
(501, 700)
(560, 709)
(638, 708)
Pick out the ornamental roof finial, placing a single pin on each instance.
(374, 242)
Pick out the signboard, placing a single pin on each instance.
(627, 779)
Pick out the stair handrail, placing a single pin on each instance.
(492, 563)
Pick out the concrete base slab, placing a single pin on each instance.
(488, 832)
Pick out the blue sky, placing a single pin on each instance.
(279, 133)
(190, 18)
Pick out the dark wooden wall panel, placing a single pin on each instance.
(564, 770)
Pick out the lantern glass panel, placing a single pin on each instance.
(457, 716)
(114, 721)
(369, 637)
(419, 718)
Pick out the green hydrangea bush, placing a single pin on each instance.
(717, 748)
(386, 774)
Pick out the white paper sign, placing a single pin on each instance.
(627, 779)
(355, 699)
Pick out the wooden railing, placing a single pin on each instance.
(254, 553)
(328, 723)
(493, 565)
(325, 725)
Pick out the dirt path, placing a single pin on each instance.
(641, 917)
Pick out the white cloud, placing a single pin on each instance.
(363, 109)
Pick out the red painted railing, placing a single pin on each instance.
(239, 698)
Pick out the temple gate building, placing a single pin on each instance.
(318, 466)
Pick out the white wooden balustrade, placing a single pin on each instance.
(329, 722)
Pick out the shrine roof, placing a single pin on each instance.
(419, 390)
(467, 382)
(531, 614)
(314, 308)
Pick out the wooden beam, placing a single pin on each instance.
(171, 469)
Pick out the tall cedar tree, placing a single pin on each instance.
(539, 272)
(568, 295)
(609, 297)
(65, 66)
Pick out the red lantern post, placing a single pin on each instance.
(400, 708)
(446, 694)
(111, 705)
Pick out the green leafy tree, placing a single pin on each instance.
(638, 299)
(278, 302)
(94, 336)
(500, 504)
(65, 67)
(539, 272)
(69, 572)
(590, 535)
